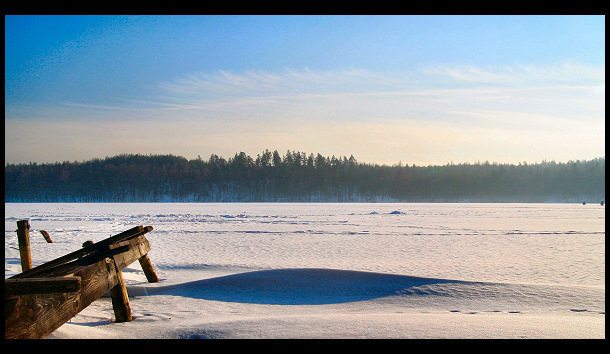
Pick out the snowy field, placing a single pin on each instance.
(281, 270)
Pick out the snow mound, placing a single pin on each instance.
(303, 286)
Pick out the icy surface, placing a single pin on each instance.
(362, 270)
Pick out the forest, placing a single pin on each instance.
(298, 177)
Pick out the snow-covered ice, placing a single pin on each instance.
(331, 270)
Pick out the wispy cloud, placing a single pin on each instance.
(520, 75)
(289, 83)
(432, 92)
(445, 112)
(432, 114)
(227, 85)
(429, 93)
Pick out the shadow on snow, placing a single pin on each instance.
(309, 286)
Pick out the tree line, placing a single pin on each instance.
(298, 177)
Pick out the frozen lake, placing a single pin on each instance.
(537, 258)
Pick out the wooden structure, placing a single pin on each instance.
(40, 299)
(46, 236)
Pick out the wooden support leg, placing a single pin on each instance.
(46, 236)
(120, 300)
(23, 237)
(148, 269)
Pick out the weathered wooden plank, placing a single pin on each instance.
(138, 247)
(38, 315)
(96, 247)
(97, 279)
(41, 285)
(71, 267)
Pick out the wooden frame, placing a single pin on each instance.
(41, 299)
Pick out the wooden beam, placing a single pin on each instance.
(71, 267)
(23, 237)
(38, 315)
(138, 247)
(41, 285)
(101, 245)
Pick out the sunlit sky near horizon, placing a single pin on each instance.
(415, 89)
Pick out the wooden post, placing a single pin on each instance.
(120, 299)
(46, 236)
(118, 293)
(23, 237)
(148, 269)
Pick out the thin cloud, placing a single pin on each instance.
(222, 84)
(428, 91)
(288, 83)
(431, 92)
(459, 94)
(444, 114)
(521, 75)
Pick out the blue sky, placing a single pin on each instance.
(416, 89)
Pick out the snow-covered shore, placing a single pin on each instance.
(341, 271)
